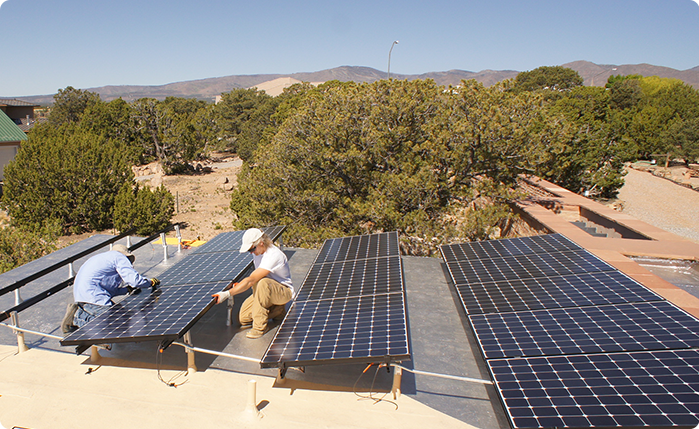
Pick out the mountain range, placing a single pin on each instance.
(207, 89)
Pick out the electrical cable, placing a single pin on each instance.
(371, 388)
(158, 363)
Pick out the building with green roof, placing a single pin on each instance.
(11, 136)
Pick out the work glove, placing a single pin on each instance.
(133, 290)
(223, 296)
(154, 284)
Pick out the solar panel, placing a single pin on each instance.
(362, 329)
(359, 247)
(351, 306)
(231, 241)
(205, 268)
(184, 297)
(651, 389)
(549, 243)
(525, 266)
(353, 278)
(611, 328)
(225, 242)
(598, 288)
(165, 315)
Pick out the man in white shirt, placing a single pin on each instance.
(270, 282)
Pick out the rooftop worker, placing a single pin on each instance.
(270, 282)
(99, 279)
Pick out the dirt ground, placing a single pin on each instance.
(202, 198)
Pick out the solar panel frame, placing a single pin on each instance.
(165, 315)
(574, 290)
(583, 330)
(638, 389)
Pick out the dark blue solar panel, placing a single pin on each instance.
(225, 242)
(611, 328)
(550, 243)
(641, 389)
(367, 328)
(353, 278)
(351, 306)
(525, 266)
(165, 315)
(206, 267)
(359, 247)
(597, 288)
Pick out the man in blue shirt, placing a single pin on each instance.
(101, 278)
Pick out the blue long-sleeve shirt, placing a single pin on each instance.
(99, 278)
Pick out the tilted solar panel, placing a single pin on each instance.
(184, 296)
(353, 278)
(359, 247)
(641, 389)
(549, 243)
(526, 266)
(164, 315)
(351, 306)
(224, 242)
(231, 241)
(572, 342)
(610, 328)
(362, 329)
(205, 268)
(575, 290)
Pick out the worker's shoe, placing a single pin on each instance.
(67, 325)
(256, 333)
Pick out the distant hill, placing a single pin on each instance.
(208, 89)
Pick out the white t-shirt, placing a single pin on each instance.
(274, 261)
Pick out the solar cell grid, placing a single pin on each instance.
(367, 328)
(352, 278)
(166, 315)
(359, 247)
(652, 389)
(598, 288)
(525, 266)
(206, 267)
(611, 328)
(549, 243)
(224, 242)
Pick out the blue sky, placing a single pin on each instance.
(51, 44)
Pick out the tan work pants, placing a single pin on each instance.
(267, 295)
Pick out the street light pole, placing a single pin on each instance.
(389, 58)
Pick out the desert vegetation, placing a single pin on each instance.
(438, 164)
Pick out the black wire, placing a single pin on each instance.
(158, 363)
(371, 388)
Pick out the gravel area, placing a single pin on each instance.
(661, 203)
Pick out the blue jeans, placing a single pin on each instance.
(87, 312)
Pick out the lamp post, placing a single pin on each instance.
(389, 58)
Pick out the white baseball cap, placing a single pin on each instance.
(250, 237)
